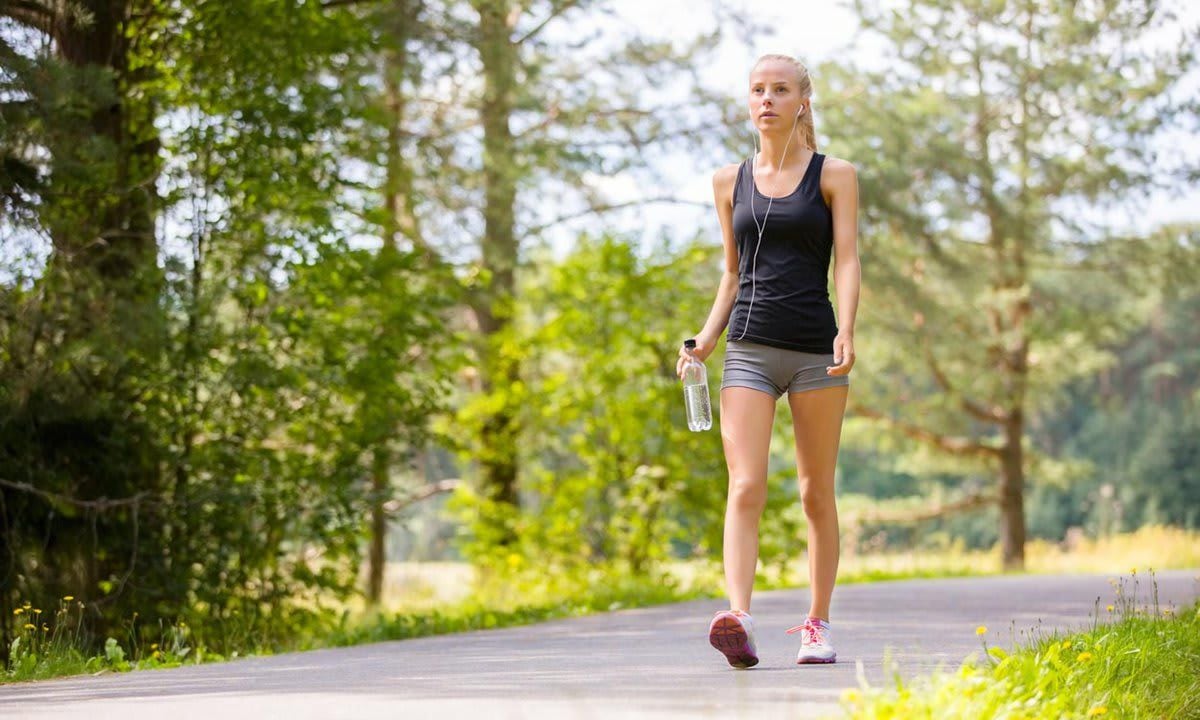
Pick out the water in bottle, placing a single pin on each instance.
(695, 391)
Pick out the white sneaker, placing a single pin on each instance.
(816, 645)
(732, 632)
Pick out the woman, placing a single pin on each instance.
(782, 213)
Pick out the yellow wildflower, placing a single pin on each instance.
(850, 695)
(1110, 608)
(37, 612)
(30, 626)
(1066, 644)
(1168, 612)
(69, 598)
(153, 646)
(981, 630)
(1098, 710)
(1084, 656)
(18, 611)
(1133, 571)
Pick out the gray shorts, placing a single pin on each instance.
(775, 370)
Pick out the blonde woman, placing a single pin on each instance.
(783, 212)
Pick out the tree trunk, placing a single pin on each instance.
(399, 225)
(380, 493)
(117, 239)
(493, 308)
(1012, 496)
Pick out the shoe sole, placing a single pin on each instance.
(728, 636)
(816, 661)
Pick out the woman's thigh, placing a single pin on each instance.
(746, 418)
(817, 424)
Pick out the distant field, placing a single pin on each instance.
(426, 585)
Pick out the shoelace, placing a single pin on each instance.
(813, 633)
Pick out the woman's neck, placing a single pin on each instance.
(773, 149)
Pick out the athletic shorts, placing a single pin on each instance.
(775, 370)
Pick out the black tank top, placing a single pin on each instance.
(789, 279)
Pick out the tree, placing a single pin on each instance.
(552, 113)
(222, 474)
(990, 146)
(80, 166)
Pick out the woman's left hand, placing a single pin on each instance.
(843, 355)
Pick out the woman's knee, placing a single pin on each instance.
(817, 497)
(747, 493)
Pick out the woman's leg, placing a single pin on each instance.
(746, 419)
(817, 423)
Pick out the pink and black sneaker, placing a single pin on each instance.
(816, 646)
(732, 632)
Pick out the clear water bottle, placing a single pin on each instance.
(695, 391)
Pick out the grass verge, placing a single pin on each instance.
(1146, 664)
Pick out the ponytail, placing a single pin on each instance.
(808, 133)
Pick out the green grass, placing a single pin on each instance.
(47, 645)
(1145, 664)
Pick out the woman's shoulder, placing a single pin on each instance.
(724, 179)
(726, 175)
(836, 169)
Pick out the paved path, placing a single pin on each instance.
(650, 663)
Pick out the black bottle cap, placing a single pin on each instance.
(690, 343)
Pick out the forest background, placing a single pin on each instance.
(292, 290)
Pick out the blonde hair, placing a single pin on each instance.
(808, 133)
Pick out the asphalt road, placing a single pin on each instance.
(652, 663)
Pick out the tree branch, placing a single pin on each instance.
(100, 504)
(596, 209)
(327, 4)
(976, 410)
(961, 446)
(931, 512)
(553, 14)
(28, 13)
(442, 486)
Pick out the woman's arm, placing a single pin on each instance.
(840, 183)
(718, 317)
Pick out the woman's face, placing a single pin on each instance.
(774, 96)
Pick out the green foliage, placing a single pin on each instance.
(1136, 424)
(986, 291)
(194, 441)
(611, 473)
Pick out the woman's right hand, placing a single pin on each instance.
(704, 348)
